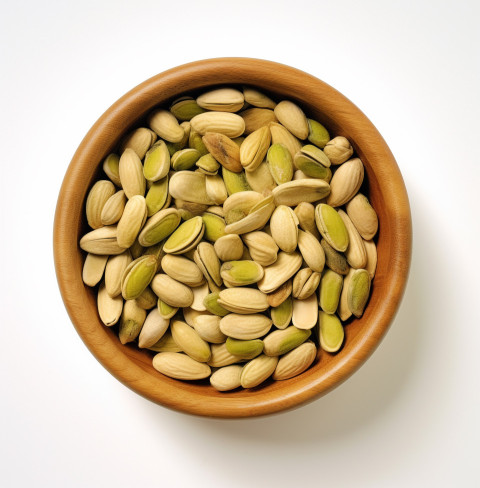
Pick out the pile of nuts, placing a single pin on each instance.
(231, 244)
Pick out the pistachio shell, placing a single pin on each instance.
(190, 186)
(280, 163)
(257, 98)
(331, 226)
(280, 342)
(110, 167)
(241, 273)
(180, 366)
(208, 164)
(147, 299)
(358, 291)
(244, 349)
(131, 174)
(261, 179)
(292, 117)
(280, 135)
(132, 220)
(275, 275)
(216, 189)
(165, 310)
(282, 314)
(157, 196)
(331, 332)
(343, 309)
(153, 329)
(305, 213)
(330, 290)
(166, 126)
(185, 108)
(109, 308)
(199, 294)
(131, 321)
(227, 378)
(243, 300)
(224, 150)
(102, 241)
(140, 140)
(93, 269)
(207, 261)
(182, 269)
(371, 250)
(114, 270)
(229, 124)
(255, 118)
(113, 209)
(305, 312)
(184, 159)
(305, 283)
(208, 328)
(284, 228)
(363, 216)
(172, 292)
(262, 247)
(166, 344)
(222, 100)
(295, 362)
(345, 182)
(189, 340)
(229, 247)
(185, 237)
(235, 182)
(311, 250)
(98, 196)
(212, 305)
(258, 370)
(312, 162)
(277, 297)
(356, 254)
(245, 327)
(338, 150)
(256, 219)
(294, 192)
(220, 356)
(254, 148)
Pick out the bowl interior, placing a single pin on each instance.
(385, 190)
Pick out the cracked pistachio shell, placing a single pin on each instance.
(356, 254)
(294, 192)
(244, 349)
(214, 226)
(241, 273)
(131, 174)
(261, 246)
(227, 378)
(153, 329)
(212, 305)
(222, 100)
(280, 163)
(110, 167)
(331, 333)
(358, 291)
(305, 283)
(185, 108)
(275, 275)
(159, 227)
(331, 226)
(109, 308)
(317, 134)
(171, 291)
(346, 182)
(280, 342)
(190, 186)
(182, 269)
(311, 250)
(363, 216)
(137, 276)
(184, 159)
(256, 118)
(132, 220)
(180, 366)
(295, 362)
(292, 117)
(282, 314)
(185, 237)
(102, 241)
(245, 327)
(228, 124)
(229, 247)
(166, 126)
(254, 148)
(280, 135)
(98, 196)
(261, 179)
(157, 196)
(93, 269)
(243, 300)
(330, 290)
(190, 341)
(257, 98)
(258, 370)
(284, 228)
(140, 140)
(113, 209)
(157, 162)
(235, 182)
(338, 150)
(305, 312)
(131, 321)
(208, 164)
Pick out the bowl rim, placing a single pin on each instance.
(101, 139)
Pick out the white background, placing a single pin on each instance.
(410, 416)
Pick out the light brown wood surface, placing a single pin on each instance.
(386, 192)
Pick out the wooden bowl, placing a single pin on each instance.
(386, 192)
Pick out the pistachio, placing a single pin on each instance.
(180, 366)
(153, 329)
(257, 98)
(261, 179)
(256, 118)
(189, 340)
(280, 342)
(97, 198)
(114, 270)
(166, 126)
(311, 251)
(229, 247)
(331, 226)
(235, 182)
(208, 164)
(188, 210)
(371, 251)
(207, 261)
(313, 162)
(305, 283)
(199, 294)
(241, 273)
(214, 226)
(280, 135)
(166, 344)
(131, 321)
(220, 356)
(182, 269)
(294, 192)
(343, 309)
(109, 308)
(280, 163)
(224, 150)
(222, 100)
(292, 117)
(113, 209)
(317, 134)
(282, 314)
(93, 269)
(331, 332)
(227, 378)
(212, 305)
(132, 220)
(208, 328)
(256, 219)
(190, 186)
(338, 150)
(243, 300)
(185, 237)
(305, 312)
(171, 291)
(140, 140)
(284, 228)
(262, 247)
(258, 370)
(185, 108)
(165, 310)
(275, 275)
(305, 213)
(358, 291)
(333, 259)
(102, 241)
(215, 188)
(330, 289)
(157, 196)
(295, 362)
(190, 315)
(356, 254)
(111, 168)
(147, 299)
(277, 297)
(244, 349)
(184, 159)
(195, 142)
(254, 148)
(159, 227)
(363, 216)
(137, 276)
(239, 205)
(229, 124)
(130, 170)
(345, 182)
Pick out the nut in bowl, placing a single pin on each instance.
(230, 231)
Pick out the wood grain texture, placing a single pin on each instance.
(386, 191)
